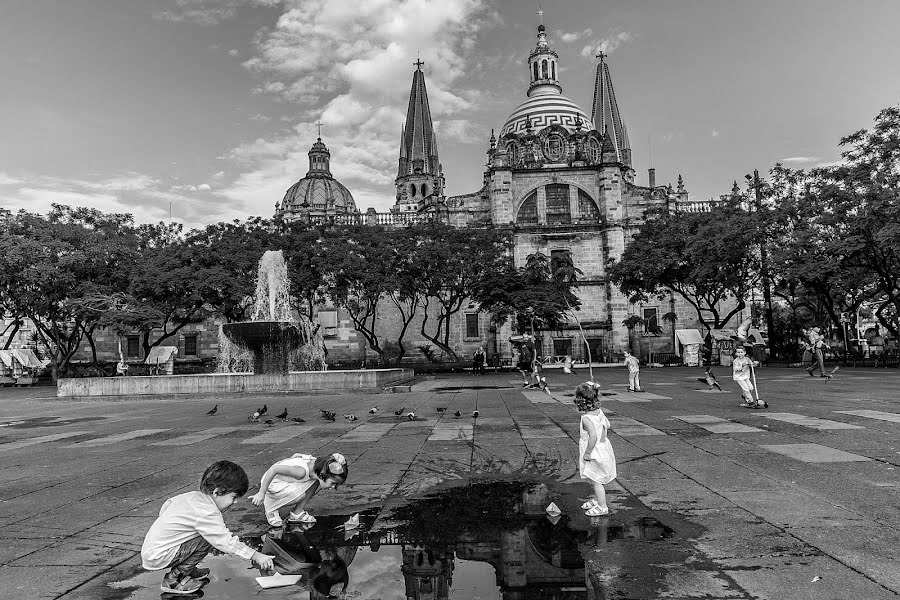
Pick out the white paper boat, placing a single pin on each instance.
(553, 510)
(277, 580)
(352, 522)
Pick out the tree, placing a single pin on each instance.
(454, 264)
(359, 276)
(706, 258)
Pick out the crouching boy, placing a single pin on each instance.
(191, 525)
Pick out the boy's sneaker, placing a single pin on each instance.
(761, 404)
(747, 404)
(199, 573)
(185, 586)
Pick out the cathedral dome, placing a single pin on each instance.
(319, 193)
(545, 110)
(322, 193)
(545, 105)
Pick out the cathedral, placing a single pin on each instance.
(560, 181)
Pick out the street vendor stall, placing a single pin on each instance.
(687, 345)
(162, 359)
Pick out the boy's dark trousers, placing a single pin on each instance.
(189, 555)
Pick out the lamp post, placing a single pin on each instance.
(756, 184)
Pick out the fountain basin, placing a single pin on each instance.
(270, 341)
(233, 383)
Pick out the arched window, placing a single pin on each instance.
(424, 190)
(528, 214)
(544, 68)
(412, 190)
(558, 211)
(592, 149)
(535, 65)
(554, 147)
(553, 69)
(587, 208)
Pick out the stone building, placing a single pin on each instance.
(561, 182)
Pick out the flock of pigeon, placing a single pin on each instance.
(330, 415)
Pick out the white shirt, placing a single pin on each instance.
(181, 518)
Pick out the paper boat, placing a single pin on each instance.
(554, 519)
(277, 580)
(553, 510)
(352, 522)
(349, 534)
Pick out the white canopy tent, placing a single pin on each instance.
(688, 342)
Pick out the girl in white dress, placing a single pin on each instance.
(289, 484)
(596, 460)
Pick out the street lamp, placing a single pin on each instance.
(756, 185)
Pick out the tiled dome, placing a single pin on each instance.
(545, 110)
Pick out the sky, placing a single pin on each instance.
(204, 110)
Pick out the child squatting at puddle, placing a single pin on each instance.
(288, 485)
(191, 525)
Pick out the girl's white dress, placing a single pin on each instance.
(602, 466)
(287, 490)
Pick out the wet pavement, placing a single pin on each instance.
(712, 501)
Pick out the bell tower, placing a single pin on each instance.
(420, 177)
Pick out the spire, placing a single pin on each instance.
(418, 148)
(605, 114)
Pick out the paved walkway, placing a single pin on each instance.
(798, 501)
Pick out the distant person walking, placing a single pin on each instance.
(525, 346)
(478, 360)
(634, 372)
(816, 346)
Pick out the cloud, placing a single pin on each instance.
(569, 37)
(8, 180)
(714, 133)
(799, 159)
(260, 118)
(145, 197)
(207, 12)
(233, 52)
(350, 64)
(607, 44)
(458, 130)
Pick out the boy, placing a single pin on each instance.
(634, 372)
(190, 525)
(741, 372)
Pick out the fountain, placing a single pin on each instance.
(273, 336)
(273, 352)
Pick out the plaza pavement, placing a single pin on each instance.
(798, 501)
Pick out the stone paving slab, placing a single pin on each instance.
(805, 421)
(815, 453)
(717, 425)
(872, 414)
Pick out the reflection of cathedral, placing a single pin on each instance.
(560, 181)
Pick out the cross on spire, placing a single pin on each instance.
(601, 54)
(418, 63)
(318, 125)
(540, 13)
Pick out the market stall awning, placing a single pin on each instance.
(27, 357)
(6, 357)
(160, 355)
(686, 337)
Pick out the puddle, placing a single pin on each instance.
(490, 539)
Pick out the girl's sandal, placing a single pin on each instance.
(596, 511)
(589, 504)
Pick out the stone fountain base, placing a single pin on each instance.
(232, 383)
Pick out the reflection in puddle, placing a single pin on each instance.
(482, 540)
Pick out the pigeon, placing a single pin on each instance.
(214, 410)
(457, 414)
(263, 410)
(474, 414)
(441, 409)
(282, 416)
(254, 417)
(298, 420)
(399, 412)
(350, 418)
(411, 416)
(710, 380)
(833, 371)
(373, 410)
(328, 415)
